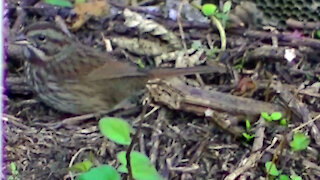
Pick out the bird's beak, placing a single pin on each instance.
(20, 40)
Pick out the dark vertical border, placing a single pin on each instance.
(3, 38)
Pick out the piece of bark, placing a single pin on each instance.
(182, 97)
(221, 108)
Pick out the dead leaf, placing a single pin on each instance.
(86, 10)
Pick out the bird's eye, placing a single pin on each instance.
(41, 37)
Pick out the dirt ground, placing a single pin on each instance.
(202, 138)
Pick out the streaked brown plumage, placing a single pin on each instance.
(78, 79)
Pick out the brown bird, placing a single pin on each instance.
(78, 79)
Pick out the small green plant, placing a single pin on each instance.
(118, 130)
(81, 167)
(217, 18)
(272, 169)
(275, 116)
(299, 142)
(61, 3)
(224, 15)
(247, 136)
(14, 172)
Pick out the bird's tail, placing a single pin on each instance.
(167, 72)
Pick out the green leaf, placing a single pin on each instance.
(248, 136)
(211, 53)
(196, 44)
(226, 7)
(317, 34)
(299, 142)
(13, 169)
(83, 166)
(266, 116)
(223, 17)
(140, 63)
(239, 64)
(61, 3)
(248, 125)
(208, 9)
(283, 177)
(295, 177)
(276, 116)
(116, 129)
(283, 122)
(141, 167)
(272, 169)
(103, 172)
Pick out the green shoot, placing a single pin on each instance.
(275, 116)
(222, 32)
(248, 125)
(210, 10)
(224, 15)
(248, 136)
(81, 167)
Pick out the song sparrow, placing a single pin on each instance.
(78, 79)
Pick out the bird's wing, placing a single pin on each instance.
(113, 70)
